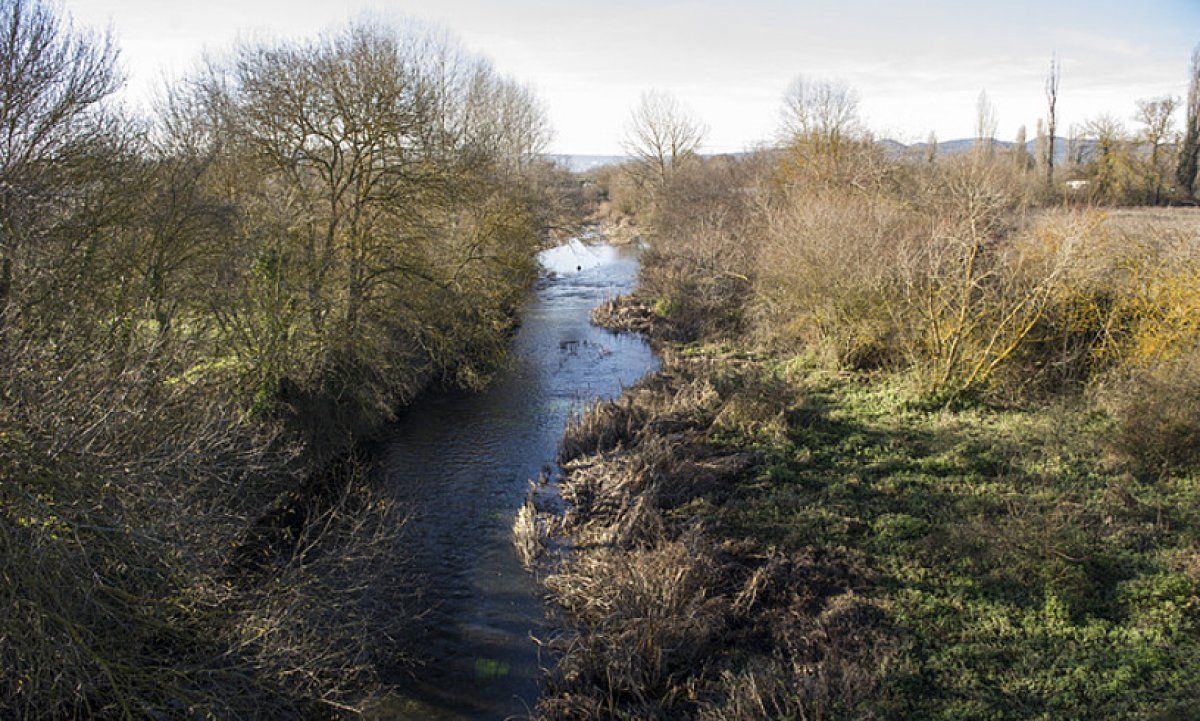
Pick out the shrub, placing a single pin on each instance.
(1157, 412)
(699, 264)
(826, 275)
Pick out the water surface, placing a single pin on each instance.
(461, 463)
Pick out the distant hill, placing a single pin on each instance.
(965, 145)
(584, 163)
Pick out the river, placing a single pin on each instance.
(461, 464)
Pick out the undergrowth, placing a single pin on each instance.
(758, 538)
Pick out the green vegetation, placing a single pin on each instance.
(834, 545)
(1022, 572)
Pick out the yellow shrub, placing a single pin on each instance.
(1165, 316)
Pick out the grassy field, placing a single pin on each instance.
(1023, 572)
(758, 538)
(1184, 219)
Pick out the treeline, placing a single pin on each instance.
(203, 308)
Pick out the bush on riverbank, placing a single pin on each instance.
(200, 313)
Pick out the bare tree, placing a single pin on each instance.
(339, 120)
(931, 149)
(387, 172)
(523, 131)
(821, 128)
(1052, 82)
(1040, 145)
(985, 124)
(1156, 116)
(660, 135)
(1020, 153)
(1075, 148)
(1189, 149)
(1110, 157)
(824, 111)
(52, 82)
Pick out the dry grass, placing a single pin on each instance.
(603, 427)
(528, 533)
(1158, 414)
(667, 620)
(628, 314)
(1181, 220)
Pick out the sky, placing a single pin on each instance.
(918, 65)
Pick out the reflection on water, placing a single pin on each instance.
(461, 463)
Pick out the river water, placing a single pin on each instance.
(461, 464)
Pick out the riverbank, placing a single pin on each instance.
(459, 463)
(752, 537)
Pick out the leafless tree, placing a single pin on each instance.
(1189, 149)
(1020, 153)
(1156, 116)
(1040, 145)
(1110, 165)
(823, 134)
(820, 111)
(660, 135)
(1052, 82)
(53, 80)
(372, 130)
(985, 124)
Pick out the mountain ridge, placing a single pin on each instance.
(582, 163)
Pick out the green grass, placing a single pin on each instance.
(1026, 573)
